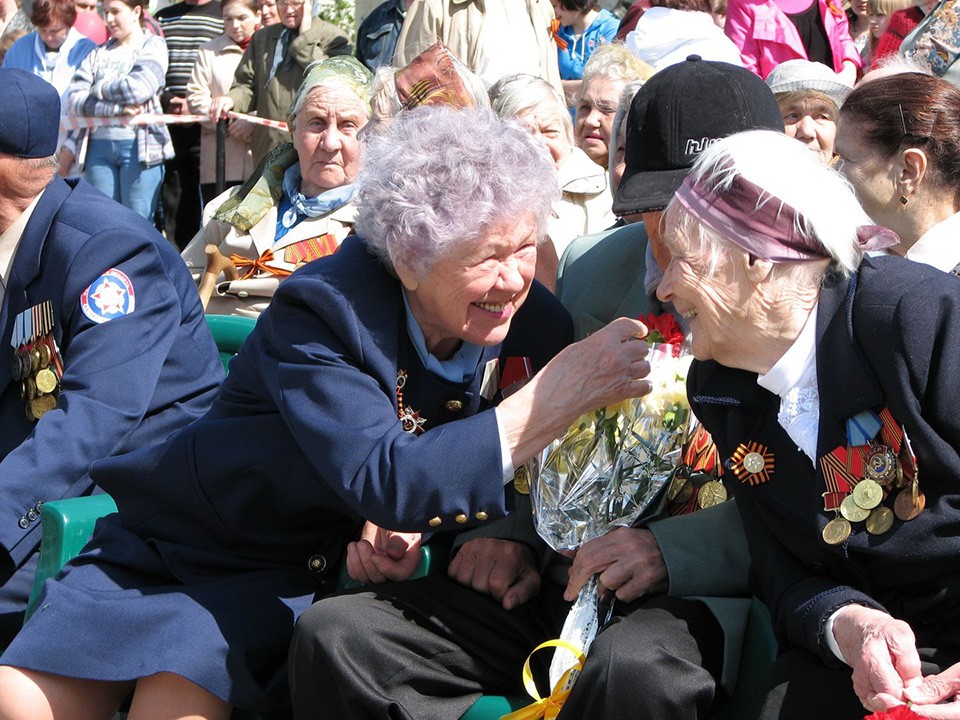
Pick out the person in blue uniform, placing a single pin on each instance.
(364, 394)
(828, 380)
(105, 347)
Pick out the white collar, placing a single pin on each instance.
(796, 363)
(939, 246)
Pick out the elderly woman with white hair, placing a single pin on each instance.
(368, 391)
(585, 203)
(827, 379)
(297, 206)
(607, 72)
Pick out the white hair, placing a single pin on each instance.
(614, 62)
(437, 179)
(826, 206)
(513, 95)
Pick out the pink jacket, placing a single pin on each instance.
(766, 37)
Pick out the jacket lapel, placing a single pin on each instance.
(26, 267)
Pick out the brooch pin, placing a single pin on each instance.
(752, 463)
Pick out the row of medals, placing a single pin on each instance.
(38, 380)
(884, 476)
(685, 482)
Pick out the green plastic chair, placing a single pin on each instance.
(229, 333)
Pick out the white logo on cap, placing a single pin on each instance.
(695, 147)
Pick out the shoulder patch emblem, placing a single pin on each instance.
(108, 297)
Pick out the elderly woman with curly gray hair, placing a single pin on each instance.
(375, 392)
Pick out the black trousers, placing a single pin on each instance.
(426, 649)
(181, 185)
(801, 687)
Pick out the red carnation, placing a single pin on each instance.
(663, 329)
(900, 712)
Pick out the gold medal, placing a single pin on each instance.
(711, 493)
(753, 462)
(46, 380)
(867, 494)
(29, 388)
(45, 355)
(521, 480)
(880, 464)
(34, 360)
(851, 511)
(836, 531)
(880, 520)
(906, 507)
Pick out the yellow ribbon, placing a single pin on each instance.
(548, 707)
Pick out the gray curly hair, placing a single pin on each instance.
(437, 179)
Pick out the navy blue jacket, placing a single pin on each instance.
(304, 442)
(127, 382)
(888, 337)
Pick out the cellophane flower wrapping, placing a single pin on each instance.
(610, 470)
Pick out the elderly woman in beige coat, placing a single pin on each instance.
(298, 207)
(585, 205)
(212, 76)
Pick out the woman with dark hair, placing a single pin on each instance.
(768, 32)
(123, 78)
(582, 29)
(898, 140)
(55, 49)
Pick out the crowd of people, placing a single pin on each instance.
(452, 230)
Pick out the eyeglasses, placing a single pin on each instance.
(292, 3)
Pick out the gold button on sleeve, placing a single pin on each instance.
(434, 522)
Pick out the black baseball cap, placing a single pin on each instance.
(676, 115)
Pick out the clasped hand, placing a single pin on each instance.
(381, 555)
(627, 560)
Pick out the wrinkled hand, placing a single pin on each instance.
(220, 106)
(241, 130)
(628, 561)
(936, 689)
(882, 652)
(307, 21)
(502, 569)
(178, 106)
(608, 366)
(380, 555)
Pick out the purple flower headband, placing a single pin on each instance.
(762, 224)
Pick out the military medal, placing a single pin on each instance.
(752, 463)
(853, 512)
(37, 364)
(906, 507)
(521, 480)
(867, 494)
(711, 493)
(410, 419)
(880, 521)
(836, 531)
(880, 464)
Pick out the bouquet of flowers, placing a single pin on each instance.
(611, 470)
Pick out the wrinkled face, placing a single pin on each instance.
(53, 36)
(596, 109)
(291, 12)
(268, 13)
(874, 178)
(716, 304)
(121, 19)
(474, 296)
(325, 138)
(240, 22)
(813, 121)
(546, 125)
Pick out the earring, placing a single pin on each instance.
(903, 199)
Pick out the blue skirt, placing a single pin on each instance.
(118, 612)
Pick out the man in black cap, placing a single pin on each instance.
(424, 649)
(106, 344)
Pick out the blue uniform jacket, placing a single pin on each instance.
(888, 337)
(304, 441)
(127, 382)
